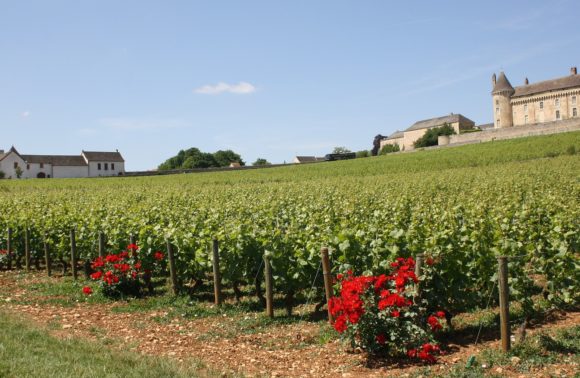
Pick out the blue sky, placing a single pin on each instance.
(268, 79)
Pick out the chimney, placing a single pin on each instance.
(493, 79)
(573, 71)
(526, 81)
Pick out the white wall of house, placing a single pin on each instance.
(97, 168)
(61, 171)
(33, 169)
(7, 165)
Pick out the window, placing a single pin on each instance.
(526, 119)
(99, 166)
(525, 107)
(112, 166)
(574, 112)
(496, 110)
(573, 100)
(541, 104)
(106, 166)
(15, 164)
(27, 167)
(557, 114)
(497, 102)
(41, 165)
(497, 123)
(557, 102)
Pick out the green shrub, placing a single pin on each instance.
(430, 138)
(363, 154)
(388, 148)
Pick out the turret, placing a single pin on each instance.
(502, 107)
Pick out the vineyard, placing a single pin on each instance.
(462, 207)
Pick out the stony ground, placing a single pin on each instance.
(235, 343)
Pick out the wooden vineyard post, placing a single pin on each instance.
(73, 253)
(269, 287)
(326, 271)
(47, 256)
(217, 279)
(101, 244)
(418, 271)
(504, 306)
(27, 249)
(172, 271)
(9, 249)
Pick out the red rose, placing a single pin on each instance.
(381, 339)
(158, 256)
(429, 261)
(132, 247)
(395, 313)
(425, 356)
(340, 324)
(440, 314)
(87, 290)
(412, 353)
(97, 275)
(434, 323)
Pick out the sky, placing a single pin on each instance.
(268, 79)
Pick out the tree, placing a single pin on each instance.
(2, 174)
(18, 172)
(388, 148)
(194, 158)
(431, 136)
(261, 161)
(225, 157)
(340, 150)
(362, 154)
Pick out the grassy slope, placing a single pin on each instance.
(390, 167)
(31, 352)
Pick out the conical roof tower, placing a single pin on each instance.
(502, 85)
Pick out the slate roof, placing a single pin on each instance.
(12, 149)
(397, 134)
(56, 160)
(103, 156)
(502, 84)
(438, 121)
(565, 82)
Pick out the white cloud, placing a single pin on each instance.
(135, 124)
(241, 88)
(25, 114)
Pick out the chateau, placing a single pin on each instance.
(545, 101)
(530, 109)
(87, 164)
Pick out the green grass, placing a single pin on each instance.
(26, 351)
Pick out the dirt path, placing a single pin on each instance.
(292, 350)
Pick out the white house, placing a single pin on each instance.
(87, 164)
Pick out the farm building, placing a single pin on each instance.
(406, 138)
(87, 164)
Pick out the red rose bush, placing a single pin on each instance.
(377, 313)
(120, 274)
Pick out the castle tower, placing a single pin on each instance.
(502, 107)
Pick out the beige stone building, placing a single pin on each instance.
(406, 138)
(541, 102)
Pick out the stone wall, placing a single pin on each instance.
(513, 132)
